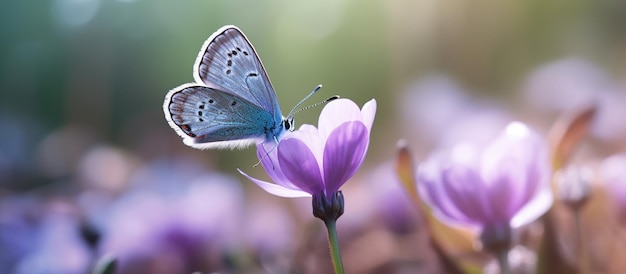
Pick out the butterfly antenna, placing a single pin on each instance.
(291, 113)
(315, 105)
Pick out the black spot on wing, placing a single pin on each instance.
(187, 130)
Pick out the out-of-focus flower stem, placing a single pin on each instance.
(498, 240)
(583, 267)
(333, 245)
(503, 261)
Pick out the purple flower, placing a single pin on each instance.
(575, 82)
(60, 247)
(177, 222)
(505, 184)
(41, 237)
(318, 161)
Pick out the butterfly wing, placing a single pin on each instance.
(228, 62)
(209, 118)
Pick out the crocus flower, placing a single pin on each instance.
(318, 161)
(505, 184)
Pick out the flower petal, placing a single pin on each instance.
(461, 180)
(515, 166)
(368, 113)
(539, 205)
(300, 166)
(306, 128)
(309, 135)
(507, 185)
(344, 151)
(433, 191)
(275, 189)
(269, 160)
(335, 113)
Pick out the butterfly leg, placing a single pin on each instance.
(267, 153)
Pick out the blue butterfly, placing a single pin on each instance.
(232, 103)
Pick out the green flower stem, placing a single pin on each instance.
(333, 244)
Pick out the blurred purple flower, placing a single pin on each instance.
(37, 237)
(609, 124)
(571, 84)
(564, 85)
(397, 213)
(432, 102)
(60, 248)
(443, 113)
(174, 226)
(506, 184)
(269, 233)
(312, 161)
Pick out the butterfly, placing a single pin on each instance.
(232, 103)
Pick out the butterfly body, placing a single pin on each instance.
(231, 103)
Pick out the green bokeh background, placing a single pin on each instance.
(105, 66)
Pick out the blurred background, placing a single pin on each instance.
(89, 166)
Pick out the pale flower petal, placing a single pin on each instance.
(336, 113)
(304, 128)
(269, 160)
(310, 136)
(368, 113)
(276, 189)
(535, 208)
